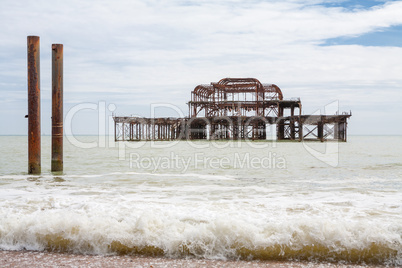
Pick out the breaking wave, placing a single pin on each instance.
(221, 237)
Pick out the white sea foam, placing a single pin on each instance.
(213, 230)
(307, 211)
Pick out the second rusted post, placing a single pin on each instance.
(34, 156)
(57, 107)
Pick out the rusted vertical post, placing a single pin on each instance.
(320, 130)
(115, 130)
(345, 124)
(342, 131)
(292, 123)
(300, 123)
(57, 107)
(34, 153)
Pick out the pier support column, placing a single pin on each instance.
(34, 139)
(115, 130)
(300, 130)
(320, 131)
(292, 128)
(345, 124)
(280, 129)
(292, 123)
(342, 131)
(57, 107)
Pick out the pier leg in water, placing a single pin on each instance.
(57, 107)
(34, 152)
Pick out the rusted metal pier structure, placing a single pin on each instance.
(236, 108)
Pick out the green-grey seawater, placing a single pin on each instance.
(208, 199)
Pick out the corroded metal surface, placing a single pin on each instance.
(236, 97)
(34, 139)
(57, 107)
(236, 108)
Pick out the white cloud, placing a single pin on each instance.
(146, 51)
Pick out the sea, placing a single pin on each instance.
(225, 200)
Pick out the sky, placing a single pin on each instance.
(130, 56)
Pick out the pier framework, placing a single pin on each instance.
(236, 108)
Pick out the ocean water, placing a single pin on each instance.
(339, 202)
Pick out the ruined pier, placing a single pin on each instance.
(236, 108)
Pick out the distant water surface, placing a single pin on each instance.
(204, 199)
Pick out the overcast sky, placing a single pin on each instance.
(134, 53)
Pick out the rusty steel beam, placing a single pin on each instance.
(34, 152)
(57, 107)
(233, 108)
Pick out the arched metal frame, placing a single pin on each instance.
(235, 97)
